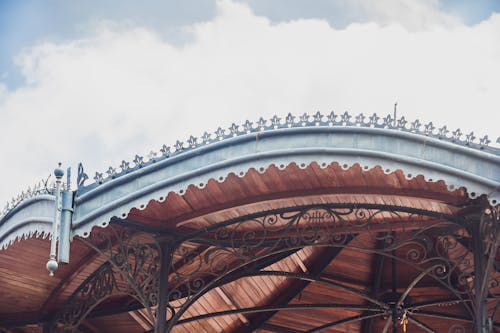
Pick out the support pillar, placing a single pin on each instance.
(478, 247)
(167, 245)
(486, 239)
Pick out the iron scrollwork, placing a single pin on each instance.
(131, 269)
(435, 245)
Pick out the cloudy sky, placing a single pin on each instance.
(98, 82)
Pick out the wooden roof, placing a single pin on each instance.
(29, 295)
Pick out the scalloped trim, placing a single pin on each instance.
(26, 232)
(86, 230)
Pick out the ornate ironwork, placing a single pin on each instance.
(318, 119)
(42, 187)
(436, 246)
(131, 269)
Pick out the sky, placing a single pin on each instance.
(98, 82)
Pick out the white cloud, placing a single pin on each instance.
(124, 91)
(414, 15)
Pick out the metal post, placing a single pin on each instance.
(65, 227)
(167, 246)
(52, 262)
(478, 247)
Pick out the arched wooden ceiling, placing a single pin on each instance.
(29, 296)
(417, 177)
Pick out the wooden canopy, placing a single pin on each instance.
(325, 224)
(339, 277)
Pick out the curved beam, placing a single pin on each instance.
(343, 321)
(32, 216)
(420, 324)
(440, 302)
(476, 170)
(328, 283)
(289, 307)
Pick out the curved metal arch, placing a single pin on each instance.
(294, 214)
(31, 217)
(315, 241)
(130, 269)
(478, 171)
(217, 282)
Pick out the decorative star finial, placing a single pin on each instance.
(261, 123)
(275, 121)
(98, 177)
(289, 120)
(415, 126)
(374, 118)
(165, 150)
(220, 133)
(429, 128)
(205, 137)
(247, 126)
(152, 155)
(346, 117)
(443, 131)
(332, 118)
(111, 172)
(360, 119)
(388, 121)
(457, 134)
(304, 119)
(179, 146)
(469, 138)
(138, 160)
(125, 166)
(402, 123)
(484, 141)
(233, 129)
(318, 117)
(192, 141)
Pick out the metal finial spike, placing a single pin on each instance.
(429, 128)
(275, 121)
(318, 117)
(219, 133)
(125, 166)
(179, 146)
(138, 160)
(304, 119)
(415, 126)
(247, 126)
(261, 123)
(233, 129)
(332, 117)
(98, 177)
(484, 141)
(111, 172)
(165, 150)
(193, 141)
(469, 138)
(346, 117)
(395, 113)
(205, 137)
(360, 119)
(388, 121)
(457, 134)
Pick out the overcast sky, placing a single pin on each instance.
(98, 82)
